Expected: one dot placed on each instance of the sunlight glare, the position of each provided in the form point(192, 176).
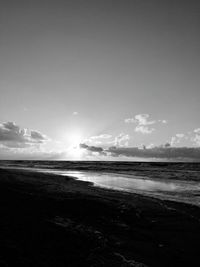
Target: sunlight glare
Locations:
point(74, 140)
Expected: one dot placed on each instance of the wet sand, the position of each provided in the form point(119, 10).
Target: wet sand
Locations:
point(51, 220)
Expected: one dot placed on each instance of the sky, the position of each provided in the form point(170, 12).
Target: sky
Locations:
point(102, 73)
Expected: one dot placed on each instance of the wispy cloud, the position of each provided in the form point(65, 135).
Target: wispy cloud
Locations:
point(98, 139)
point(175, 140)
point(130, 120)
point(144, 129)
point(101, 136)
point(162, 121)
point(197, 131)
point(143, 123)
point(108, 139)
point(121, 140)
point(196, 138)
point(192, 138)
point(143, 119)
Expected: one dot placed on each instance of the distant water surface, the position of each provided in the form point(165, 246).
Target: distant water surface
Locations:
point(121, 179)
point(182, 191)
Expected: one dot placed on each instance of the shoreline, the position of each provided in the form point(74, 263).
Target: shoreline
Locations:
point(92, 226)
point(168, 196)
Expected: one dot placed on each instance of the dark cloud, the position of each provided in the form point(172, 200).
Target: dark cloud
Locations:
point(35, 135)
point(11, 135)
point(161, 152)
point(91, 148)
point(157, 152)
point(83, 146)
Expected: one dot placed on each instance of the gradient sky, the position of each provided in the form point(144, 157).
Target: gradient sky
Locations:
point(82, 68)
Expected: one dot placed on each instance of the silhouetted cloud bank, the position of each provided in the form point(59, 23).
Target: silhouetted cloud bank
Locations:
point(162, 152)
point(92, 148)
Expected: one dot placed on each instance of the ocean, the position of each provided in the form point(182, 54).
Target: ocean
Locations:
point(165, 180)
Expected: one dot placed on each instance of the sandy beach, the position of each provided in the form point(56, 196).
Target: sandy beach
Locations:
point(50, 220)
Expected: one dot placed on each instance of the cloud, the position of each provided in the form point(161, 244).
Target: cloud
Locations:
point(102, 136)
point(169, 151)
point(142, 119)
point(158, 152)
point(75, 113)
point(35, 135)
point(91, 148)
point(162, 121)
point(164, 152)
point(177, 139)
point(197, 131)
point(149, 146)
point(11, 135)
point(143, 123)
point(180, 135)
point(130, 120)
point(191, 138)
point(196, 138)
point(144, 129)
point(98, 139)
point(106, 140)
point(121, 140)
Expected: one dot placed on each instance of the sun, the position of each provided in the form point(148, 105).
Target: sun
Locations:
point(74, 139)
point(74, 151)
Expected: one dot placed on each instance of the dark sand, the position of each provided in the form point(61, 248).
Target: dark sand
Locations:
point(49, 220)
